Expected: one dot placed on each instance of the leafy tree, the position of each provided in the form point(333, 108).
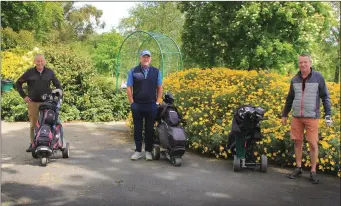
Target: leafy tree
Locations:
point(11, 39)
point(161, 17)
point(8, 38)
point(336, 37)
point(252, 35)
point(104, 49)
point(51, 22)
point(38, 17)
point(101, 49)
point(81, 22)
point(326, 54)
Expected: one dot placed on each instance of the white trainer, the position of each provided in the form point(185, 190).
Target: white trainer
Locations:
point(136, 156)
point(149, 156)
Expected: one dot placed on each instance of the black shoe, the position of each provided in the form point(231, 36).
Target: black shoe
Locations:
point(296, 173)
point(29, 149)
point(313, 178)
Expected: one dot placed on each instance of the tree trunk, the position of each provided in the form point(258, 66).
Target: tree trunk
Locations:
point(337, 74)
point(337, 70)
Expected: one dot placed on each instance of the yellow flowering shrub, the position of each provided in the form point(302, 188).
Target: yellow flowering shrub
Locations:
point(207, 99)
point(14, 64)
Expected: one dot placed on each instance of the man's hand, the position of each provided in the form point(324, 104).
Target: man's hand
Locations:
point(130, 95)
point(284, 120)
point(329, 121)
point(27, 99)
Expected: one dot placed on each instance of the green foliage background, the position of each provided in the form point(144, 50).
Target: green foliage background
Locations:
point(259, 36)
point(87, 95)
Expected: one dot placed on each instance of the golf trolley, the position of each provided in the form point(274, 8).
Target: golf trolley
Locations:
point(244, 136)
point(48, 131)
point(170, 140)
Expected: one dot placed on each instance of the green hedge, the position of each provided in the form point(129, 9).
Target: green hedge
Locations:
point(87, 96)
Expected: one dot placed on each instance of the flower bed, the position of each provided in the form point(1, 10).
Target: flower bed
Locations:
point(207, 99)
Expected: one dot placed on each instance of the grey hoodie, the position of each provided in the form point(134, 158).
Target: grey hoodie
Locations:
point(306, 103)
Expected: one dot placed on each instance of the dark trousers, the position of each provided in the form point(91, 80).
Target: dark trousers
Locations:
point(146, 112)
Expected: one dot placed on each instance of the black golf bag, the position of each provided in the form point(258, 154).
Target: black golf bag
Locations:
point(245, 124)
point(170, 134)
point(245, 133)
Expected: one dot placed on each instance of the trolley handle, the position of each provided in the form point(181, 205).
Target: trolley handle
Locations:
point(264, 118)
point(260, 118)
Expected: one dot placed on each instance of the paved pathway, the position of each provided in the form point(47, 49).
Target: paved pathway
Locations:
point(100, 172)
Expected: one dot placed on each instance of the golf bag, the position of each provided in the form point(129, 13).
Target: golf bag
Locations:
point(48, 130)
point(170, 132)
point(245, 123)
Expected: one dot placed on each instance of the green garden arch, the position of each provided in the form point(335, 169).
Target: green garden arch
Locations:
point(166, 54)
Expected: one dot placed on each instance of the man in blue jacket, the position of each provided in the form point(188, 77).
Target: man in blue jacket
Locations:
point(307, 87)
point(144, 90)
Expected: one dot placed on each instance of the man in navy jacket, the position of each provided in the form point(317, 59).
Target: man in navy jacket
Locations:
point(144, 90)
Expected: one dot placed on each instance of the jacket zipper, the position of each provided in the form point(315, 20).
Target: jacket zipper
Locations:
point(302, 106)
point(302, 99)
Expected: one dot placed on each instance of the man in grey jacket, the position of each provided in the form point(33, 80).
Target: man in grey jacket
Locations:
point(307, 87)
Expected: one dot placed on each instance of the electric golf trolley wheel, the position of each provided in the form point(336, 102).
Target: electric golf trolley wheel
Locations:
point(34, 155)
point(156, 152)
point(177, 161)
point(236, 163)
point(263, 163)
point(66, 151)
point(43, 161)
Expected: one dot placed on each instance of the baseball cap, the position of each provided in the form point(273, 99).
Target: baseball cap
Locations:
point(145, 52)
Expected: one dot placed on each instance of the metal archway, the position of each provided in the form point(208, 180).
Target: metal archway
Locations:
point(166, 54)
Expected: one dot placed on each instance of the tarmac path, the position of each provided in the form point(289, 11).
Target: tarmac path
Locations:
point(100, 172)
